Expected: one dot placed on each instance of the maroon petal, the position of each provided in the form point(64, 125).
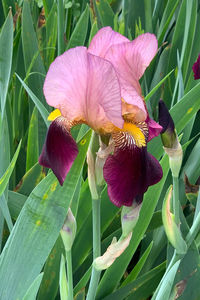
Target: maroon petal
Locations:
point(59, 150)
point(154, 128)
point(129, 173)
point(196, 68)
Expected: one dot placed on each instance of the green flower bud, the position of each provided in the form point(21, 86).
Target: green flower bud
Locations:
point(129, 217)
point(172, 230)
point(68, 231)
point(170, 139)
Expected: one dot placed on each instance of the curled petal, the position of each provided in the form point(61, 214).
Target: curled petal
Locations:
point(130, 60)
point(129, 173)
point(154, 128)
point(84, 87)
point(104, 39)
point(59, 150)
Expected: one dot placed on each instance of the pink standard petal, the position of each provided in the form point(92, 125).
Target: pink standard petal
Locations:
point(129, 174)
point(130, 60)
point(105, 38)
point(84, 87)
point(154, 128)
point(59, 150)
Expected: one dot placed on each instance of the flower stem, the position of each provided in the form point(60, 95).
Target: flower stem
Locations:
point(69, 274)
point(96, 203)
point(176, 199)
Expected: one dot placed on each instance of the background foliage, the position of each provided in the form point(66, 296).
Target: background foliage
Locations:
point(33, 206)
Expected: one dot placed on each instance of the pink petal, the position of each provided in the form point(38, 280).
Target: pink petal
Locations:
point(130, 60)
point(84, 87)
point(59, 150)
point(129, 174)
point(154, 128)
point(105, 38)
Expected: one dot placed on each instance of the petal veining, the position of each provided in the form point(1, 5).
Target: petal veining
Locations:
point(129, 174)
point(130, 60)
point(85, 87)
point(59, 150)
point(104, 39)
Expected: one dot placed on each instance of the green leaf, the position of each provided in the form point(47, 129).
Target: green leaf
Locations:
point(150, 94)
point(43, 111)
point(63, 280)
point(37, 228)
point(6, 43)
point(5, 211)
point(51, 35)
point(15, 203)
point(140, 288)
point(31, 50)
point(133, 11)
point(50, 281)
point(106, 13)
point(136, 270)
point(167, 284)
point(166, 18)
point(60, 13)
point(6, 176)
point(30, 180)
point(83, 281)
point(32, 147)
point(33, 289)
point(80, 31)
point(192, 165)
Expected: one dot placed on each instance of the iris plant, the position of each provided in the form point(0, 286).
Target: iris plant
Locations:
point(99, 86)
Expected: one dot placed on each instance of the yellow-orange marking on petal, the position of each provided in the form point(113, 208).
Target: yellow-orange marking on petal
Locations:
point(54, 115)
point(136, 133)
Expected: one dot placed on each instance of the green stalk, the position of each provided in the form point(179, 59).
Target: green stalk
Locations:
point(176, 200)
point(69, 274)
point(193, 231)
point(96, 203)
point(60, 27)
point(174, 259)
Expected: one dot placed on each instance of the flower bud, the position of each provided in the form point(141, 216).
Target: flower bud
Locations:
point(129, 217)
point(114, 250)
point(170, 139)
point(68, 231)
point(172, 230)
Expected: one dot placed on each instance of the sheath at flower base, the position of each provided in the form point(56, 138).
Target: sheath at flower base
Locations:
point(99, 86)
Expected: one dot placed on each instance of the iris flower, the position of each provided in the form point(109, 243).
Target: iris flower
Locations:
point(99, 86)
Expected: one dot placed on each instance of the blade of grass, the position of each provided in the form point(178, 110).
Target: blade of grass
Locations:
point(6, 42)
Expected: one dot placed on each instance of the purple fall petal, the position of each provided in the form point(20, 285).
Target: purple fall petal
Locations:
point(59, 150)
point(129, 174)
point(196, 68)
